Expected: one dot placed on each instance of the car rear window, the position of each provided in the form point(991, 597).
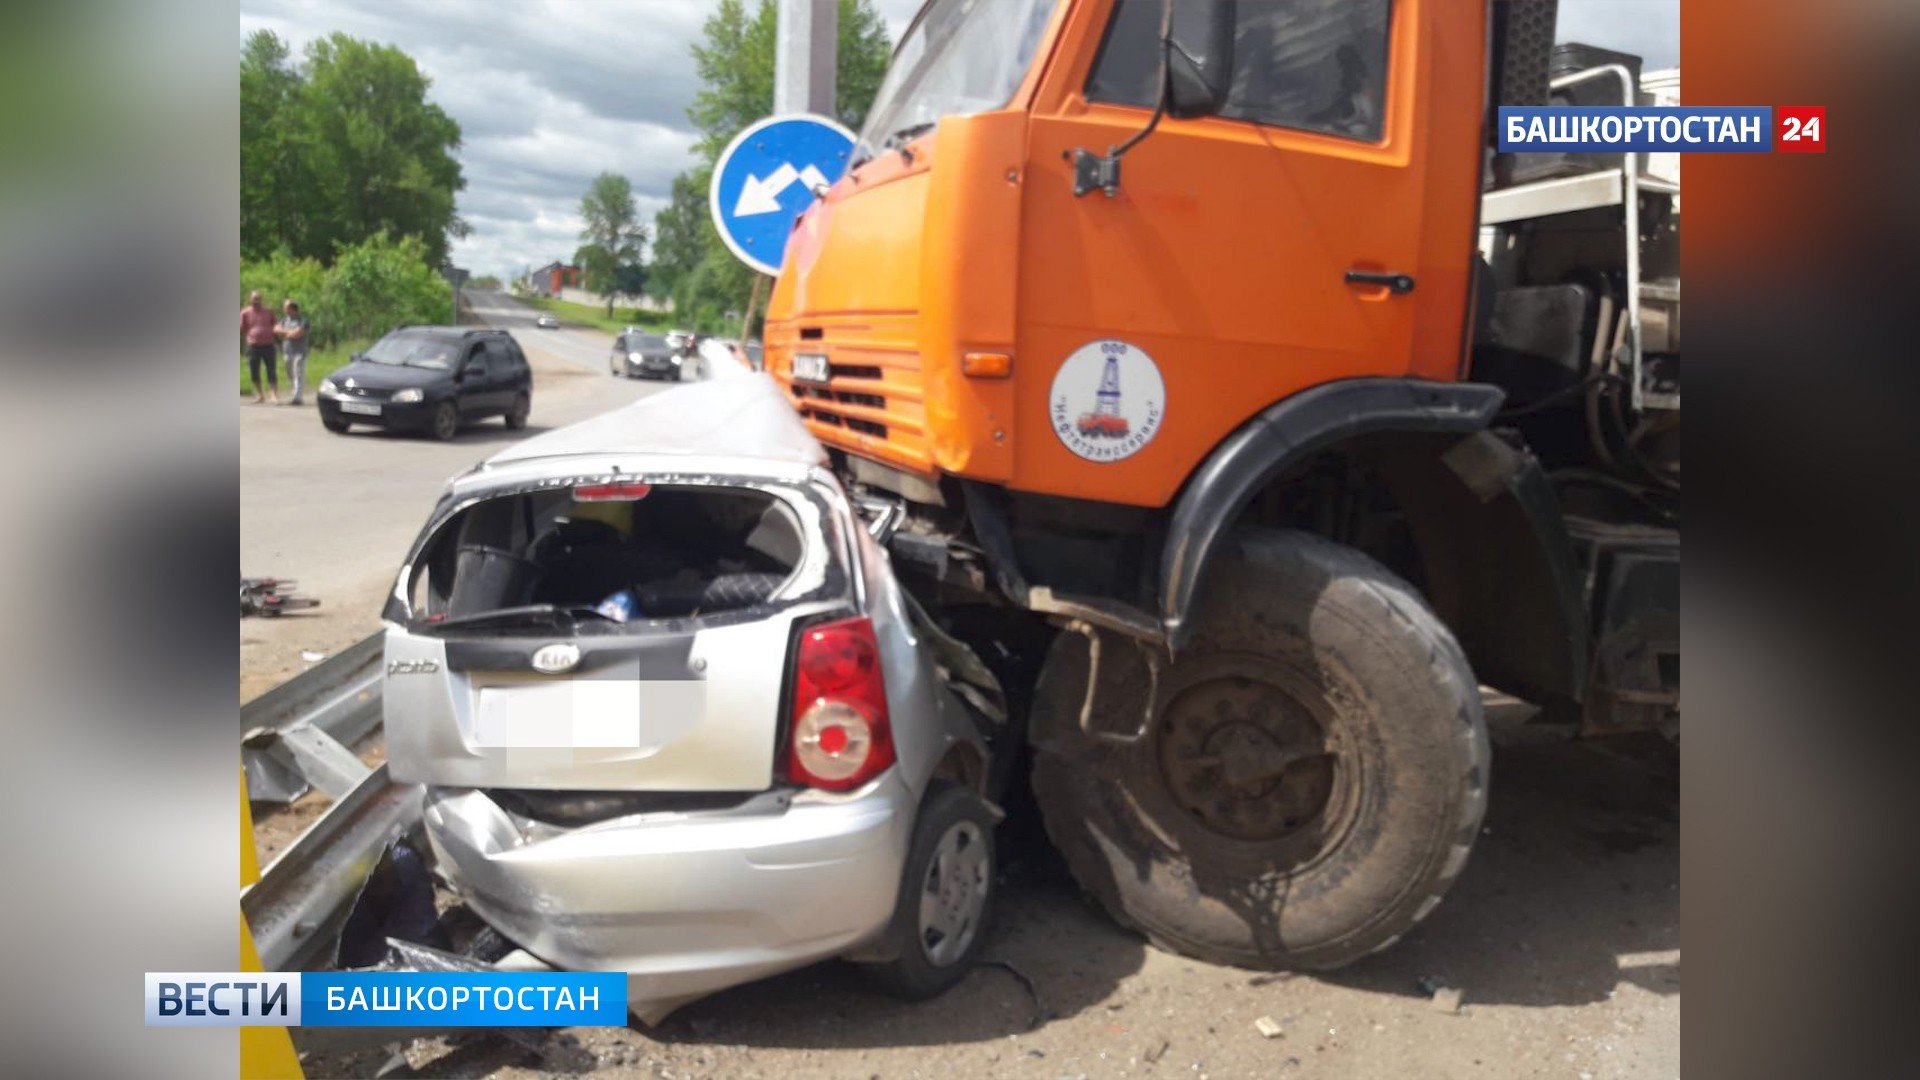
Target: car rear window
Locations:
point(676, 551)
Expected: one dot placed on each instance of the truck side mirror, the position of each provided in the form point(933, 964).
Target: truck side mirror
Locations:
point(1200, 58)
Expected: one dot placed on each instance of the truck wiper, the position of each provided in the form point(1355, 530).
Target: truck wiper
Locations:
point(559, 614)
point(905, 135)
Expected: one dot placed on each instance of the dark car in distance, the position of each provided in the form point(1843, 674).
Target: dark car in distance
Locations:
point(650, 356)
point(430, 379)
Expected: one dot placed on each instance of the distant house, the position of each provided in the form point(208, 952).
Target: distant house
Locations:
point(553, 277)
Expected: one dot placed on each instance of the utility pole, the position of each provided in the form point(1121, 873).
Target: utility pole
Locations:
point(805, 57)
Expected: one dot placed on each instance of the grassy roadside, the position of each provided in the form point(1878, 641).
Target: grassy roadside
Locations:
point(596, 317)
point(320, 364)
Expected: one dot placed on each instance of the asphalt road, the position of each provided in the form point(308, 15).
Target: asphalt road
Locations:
point(582, 347)
point(336, 512)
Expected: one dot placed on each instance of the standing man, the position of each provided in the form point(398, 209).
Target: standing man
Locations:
point(257, 334)
point(293, 331)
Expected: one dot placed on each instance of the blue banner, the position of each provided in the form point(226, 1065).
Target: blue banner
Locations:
point(386, 999)
point(1599, 129)
point(463, 999)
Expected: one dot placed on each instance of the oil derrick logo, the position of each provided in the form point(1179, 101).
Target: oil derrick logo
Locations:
point(1105, 421)
point(1119, 424)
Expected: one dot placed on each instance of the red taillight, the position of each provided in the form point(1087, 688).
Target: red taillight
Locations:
point(614, 492)
point(840, 735)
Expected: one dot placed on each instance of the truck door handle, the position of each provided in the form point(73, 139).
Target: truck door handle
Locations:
point(1399, 284)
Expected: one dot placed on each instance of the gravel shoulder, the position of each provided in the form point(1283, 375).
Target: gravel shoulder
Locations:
point(1562, 937)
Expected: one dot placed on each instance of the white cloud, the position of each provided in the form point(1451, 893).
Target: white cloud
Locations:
point(547, 95)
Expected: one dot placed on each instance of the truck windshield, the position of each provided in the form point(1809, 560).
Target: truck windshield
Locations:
point(961, 56)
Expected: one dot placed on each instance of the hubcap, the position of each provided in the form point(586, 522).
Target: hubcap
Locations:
point(954, 893)
point(1247, 759)
point(444, 422)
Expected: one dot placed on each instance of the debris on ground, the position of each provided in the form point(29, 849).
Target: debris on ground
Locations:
point(1268, 1027)
point(1154, 1053)
point(263, 596)
point(1447, 999)
point(1040, 1013)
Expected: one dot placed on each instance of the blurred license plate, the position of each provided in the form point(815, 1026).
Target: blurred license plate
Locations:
point(811, 367)
point(359, 409)
point(575, 713)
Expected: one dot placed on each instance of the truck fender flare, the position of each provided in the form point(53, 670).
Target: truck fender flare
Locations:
point(1284, 435)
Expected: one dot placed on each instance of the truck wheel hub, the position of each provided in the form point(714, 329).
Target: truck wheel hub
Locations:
point(1244, 758)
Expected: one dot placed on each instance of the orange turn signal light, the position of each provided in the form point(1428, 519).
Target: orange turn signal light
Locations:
point(987, 365)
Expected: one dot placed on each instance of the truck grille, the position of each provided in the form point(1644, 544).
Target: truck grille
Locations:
point(872, 402)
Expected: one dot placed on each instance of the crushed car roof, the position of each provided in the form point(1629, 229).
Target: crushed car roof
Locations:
point(748, 417)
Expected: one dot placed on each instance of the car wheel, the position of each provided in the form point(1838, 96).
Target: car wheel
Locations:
point(946, 895)
point(338, 427)
point(446, 421)
point(517, 416)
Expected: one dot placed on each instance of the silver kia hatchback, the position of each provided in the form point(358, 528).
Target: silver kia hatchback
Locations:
point(677, 719)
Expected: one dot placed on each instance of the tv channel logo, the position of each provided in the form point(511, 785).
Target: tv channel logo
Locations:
point(222, 999)
point(387, 999)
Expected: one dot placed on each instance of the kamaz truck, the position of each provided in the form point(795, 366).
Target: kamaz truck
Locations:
point(1242, 416)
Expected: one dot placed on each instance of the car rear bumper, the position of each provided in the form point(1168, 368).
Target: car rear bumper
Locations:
point(685, 903)
point(415, 416)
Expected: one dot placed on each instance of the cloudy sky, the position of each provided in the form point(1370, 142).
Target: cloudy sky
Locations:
point(549, 93)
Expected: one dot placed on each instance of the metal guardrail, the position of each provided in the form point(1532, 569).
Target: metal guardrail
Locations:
point(298, 734)
point(296, 907)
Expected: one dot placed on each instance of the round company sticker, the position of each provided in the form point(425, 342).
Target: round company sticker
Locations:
point(1107, 400)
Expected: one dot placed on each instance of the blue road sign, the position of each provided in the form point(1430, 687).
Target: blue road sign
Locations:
point(767, 176)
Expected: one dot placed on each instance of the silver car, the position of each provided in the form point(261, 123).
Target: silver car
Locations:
point(676, 717)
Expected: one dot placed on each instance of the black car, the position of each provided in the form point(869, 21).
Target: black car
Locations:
point(650, 356)
point(431, 379)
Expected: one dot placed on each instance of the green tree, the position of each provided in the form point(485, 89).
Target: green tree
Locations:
point(270, 147)
point(381, 153)
point(735, 60)
point(372, 287)
point(341, 149)
point(380, 283)
point(681, 233)
point(610, 244)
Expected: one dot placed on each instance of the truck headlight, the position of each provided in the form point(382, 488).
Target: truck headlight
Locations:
point(408, 396)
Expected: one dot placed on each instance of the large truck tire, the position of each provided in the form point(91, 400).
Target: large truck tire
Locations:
point(1311, 769)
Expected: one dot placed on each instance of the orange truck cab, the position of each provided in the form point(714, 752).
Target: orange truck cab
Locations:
point(1160, 327)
